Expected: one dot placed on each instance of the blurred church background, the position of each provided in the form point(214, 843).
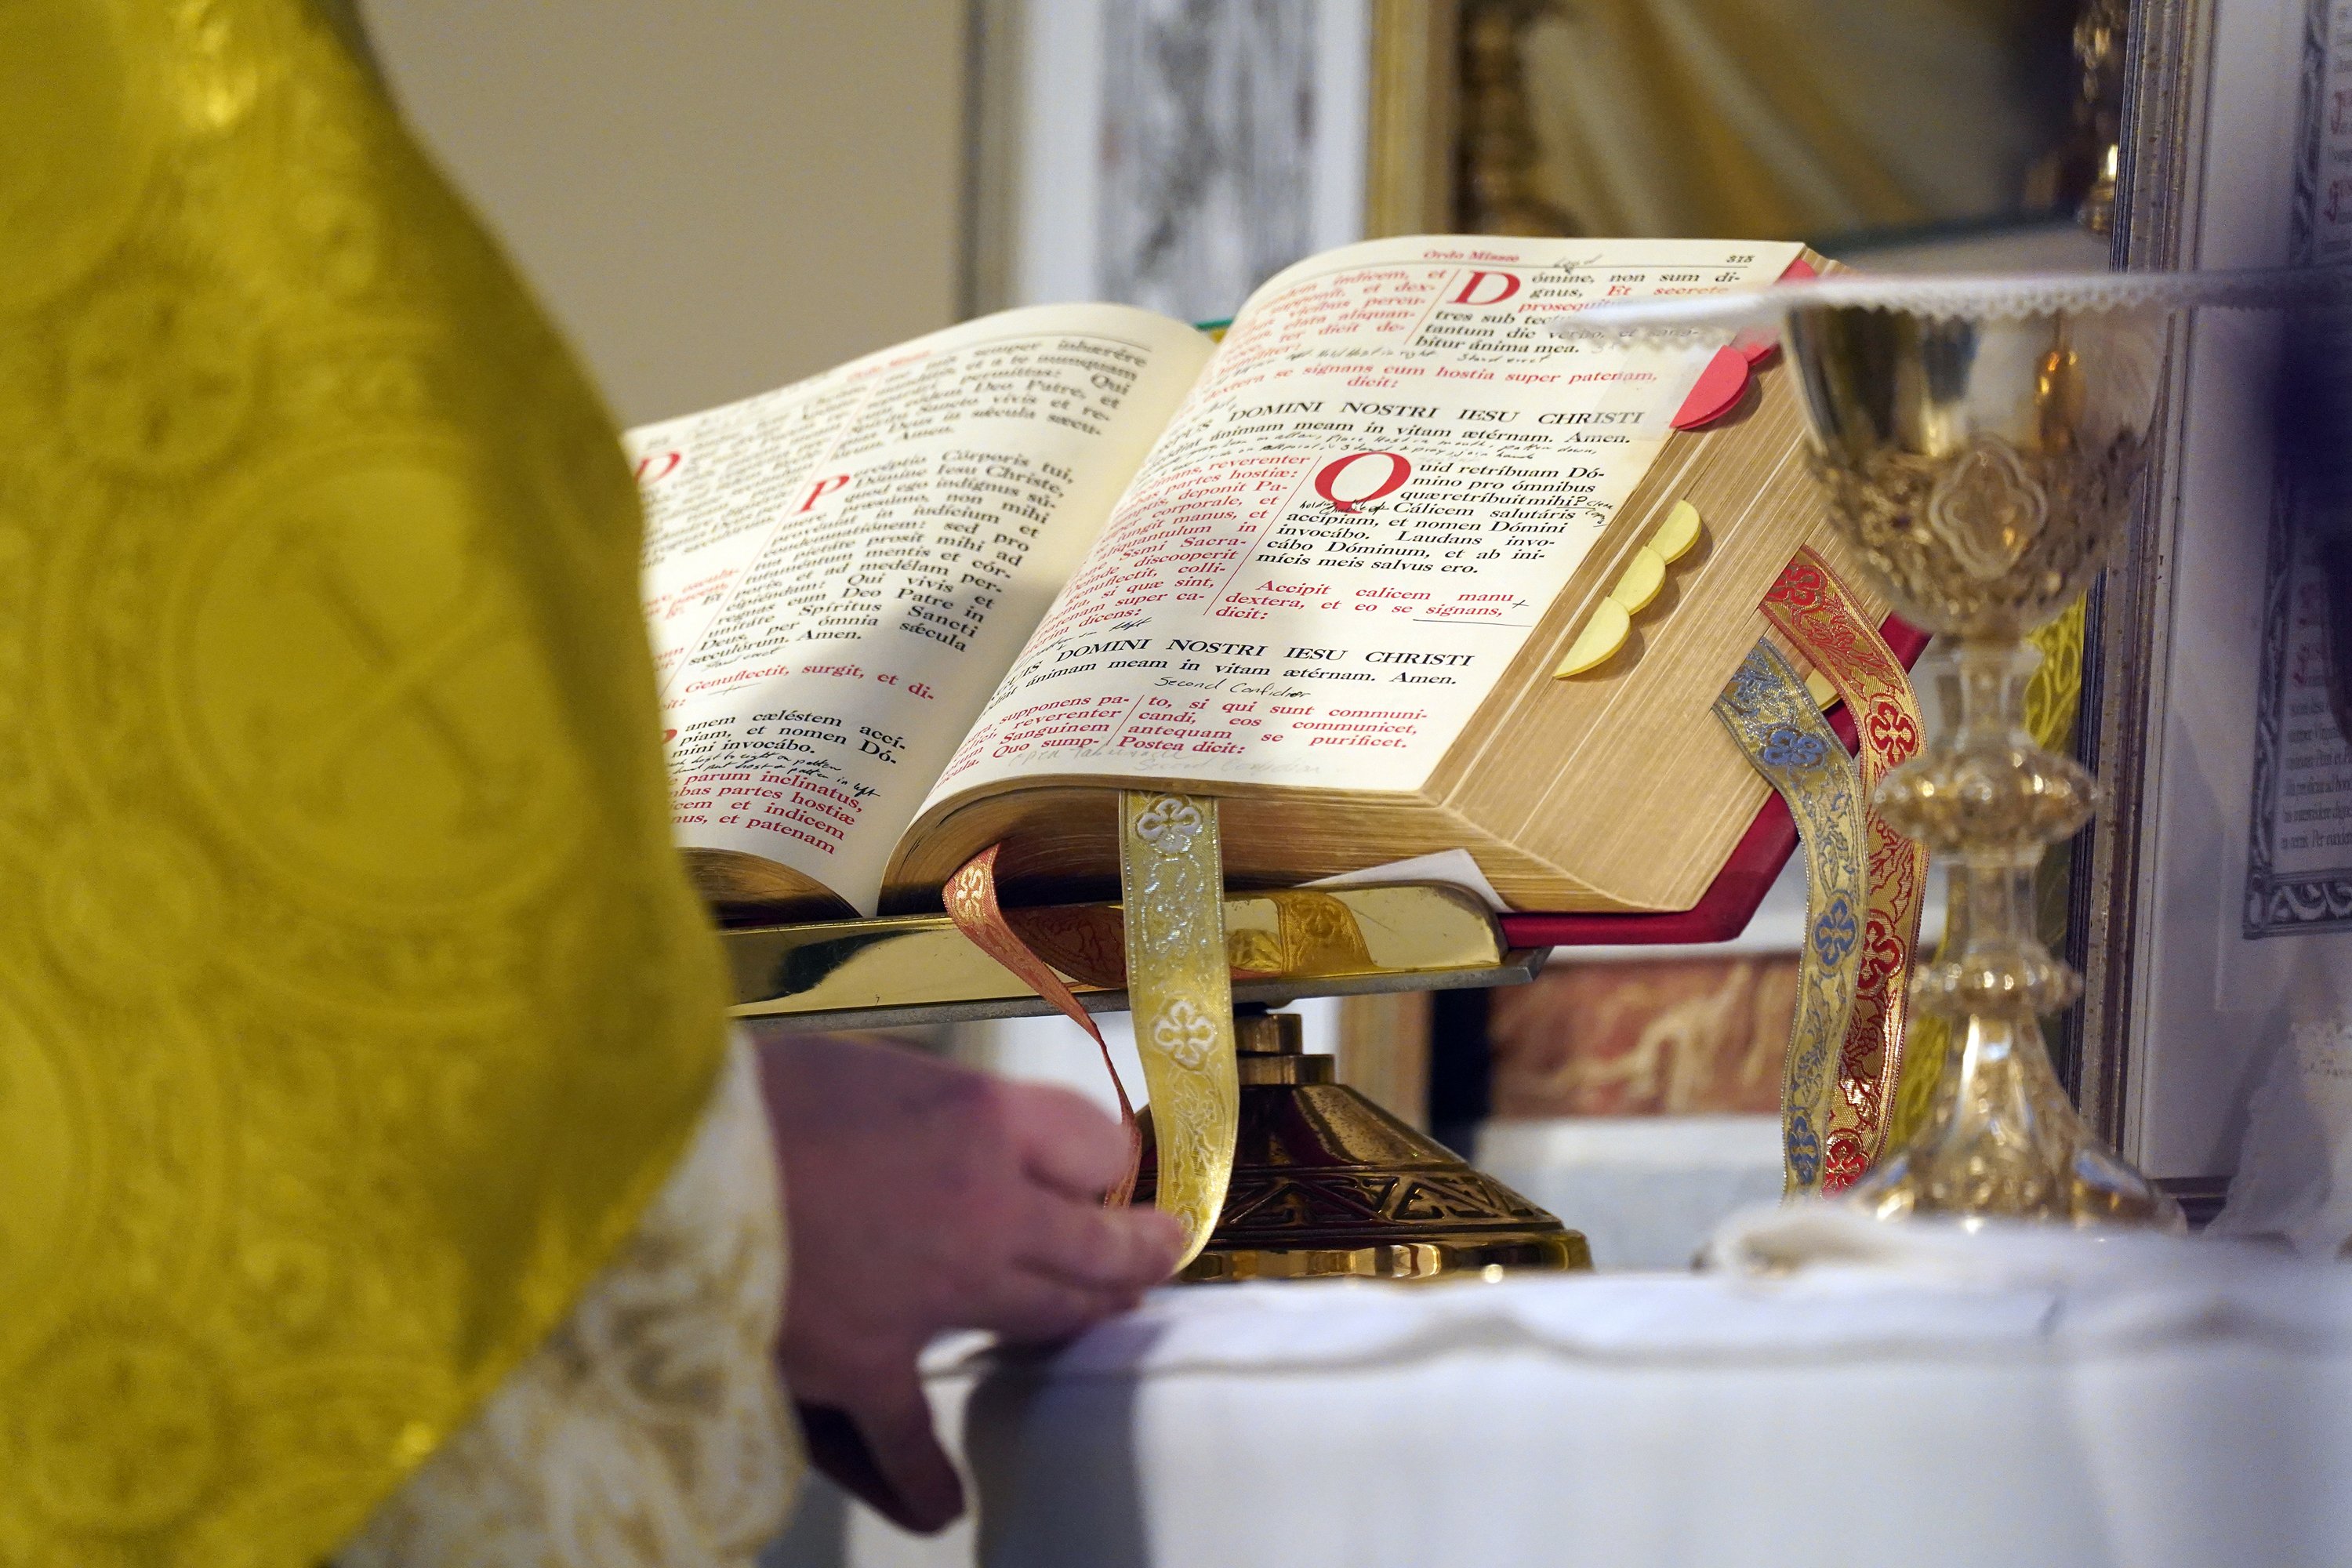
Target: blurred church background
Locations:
point(717, 198)
point(714, 196)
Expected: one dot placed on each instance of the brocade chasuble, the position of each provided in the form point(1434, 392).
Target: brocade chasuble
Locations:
point(353, 1005)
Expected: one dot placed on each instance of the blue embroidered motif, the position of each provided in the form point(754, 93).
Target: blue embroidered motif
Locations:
point(1835, 933)
point(1802, 1149)
point(1753, 686)
point(1812, 1059)
point(1791, 748)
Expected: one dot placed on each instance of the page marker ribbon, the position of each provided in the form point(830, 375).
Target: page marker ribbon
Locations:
point(1171, 885)
point(971, 896)
point(1815, 610)
point(1783, 735)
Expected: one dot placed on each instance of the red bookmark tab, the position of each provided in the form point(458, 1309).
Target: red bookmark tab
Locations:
point(971, 904)
point(1719, 388)
point(1726, 379)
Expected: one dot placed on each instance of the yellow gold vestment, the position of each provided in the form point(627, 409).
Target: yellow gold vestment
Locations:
point(351, 1002)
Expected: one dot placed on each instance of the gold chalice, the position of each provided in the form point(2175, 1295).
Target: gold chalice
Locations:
point(1979, 440)
point(1982, 461)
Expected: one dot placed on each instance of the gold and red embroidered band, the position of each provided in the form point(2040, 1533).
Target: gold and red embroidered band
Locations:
point(1815, 610)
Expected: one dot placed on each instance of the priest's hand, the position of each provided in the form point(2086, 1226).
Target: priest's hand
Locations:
point(921, 1196)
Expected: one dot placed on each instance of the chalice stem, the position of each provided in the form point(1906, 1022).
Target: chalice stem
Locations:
point(2002, 1138)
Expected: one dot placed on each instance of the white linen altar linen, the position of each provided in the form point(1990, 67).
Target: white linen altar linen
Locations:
point(2143, 1402)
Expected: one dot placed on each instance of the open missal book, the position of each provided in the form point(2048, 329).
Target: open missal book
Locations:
point(964, 590)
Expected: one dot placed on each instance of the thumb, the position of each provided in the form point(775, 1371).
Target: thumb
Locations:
point(883, 1452)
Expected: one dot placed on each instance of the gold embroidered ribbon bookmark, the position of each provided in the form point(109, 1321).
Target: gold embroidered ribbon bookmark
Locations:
point(1782, 733)
point(971, 904)
point(1816, 611)
point(1172, 893)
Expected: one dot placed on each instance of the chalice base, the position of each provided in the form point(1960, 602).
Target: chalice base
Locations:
point(1326, 1185)
point(2004, 1140)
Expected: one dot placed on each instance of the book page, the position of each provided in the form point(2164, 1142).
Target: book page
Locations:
point(1388, 472)
point(837, 573)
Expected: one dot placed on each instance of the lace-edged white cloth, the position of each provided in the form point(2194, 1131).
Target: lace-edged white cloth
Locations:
point(649, 1431)
point(1983, 297)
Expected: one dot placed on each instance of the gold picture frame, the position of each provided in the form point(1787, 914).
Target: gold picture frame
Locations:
point(1408, 164)
point(2165, 51)
point(2236, 138)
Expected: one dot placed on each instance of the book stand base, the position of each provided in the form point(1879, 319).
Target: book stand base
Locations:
point(1326, 1185)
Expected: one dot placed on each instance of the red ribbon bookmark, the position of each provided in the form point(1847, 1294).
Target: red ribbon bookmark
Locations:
point(971, 904)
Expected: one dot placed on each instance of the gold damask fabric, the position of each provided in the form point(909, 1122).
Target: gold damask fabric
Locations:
point(353, 1005)
point(649, 1432)
point(1790, 118)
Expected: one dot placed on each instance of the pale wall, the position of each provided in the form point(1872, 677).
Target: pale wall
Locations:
point(715, 196)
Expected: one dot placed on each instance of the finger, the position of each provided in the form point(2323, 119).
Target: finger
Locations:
point(1104, 1249)
point(924, 1493)
point(1063, 1141)
point(1027, 1308)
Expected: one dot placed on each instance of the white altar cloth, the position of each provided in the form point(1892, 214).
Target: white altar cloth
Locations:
point(2138, 1402)
point(1646, 1191)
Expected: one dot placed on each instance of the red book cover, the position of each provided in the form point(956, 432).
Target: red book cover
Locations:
point(1730, 900)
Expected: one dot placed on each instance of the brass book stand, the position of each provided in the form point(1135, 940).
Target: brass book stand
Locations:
point(1325, 1183)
